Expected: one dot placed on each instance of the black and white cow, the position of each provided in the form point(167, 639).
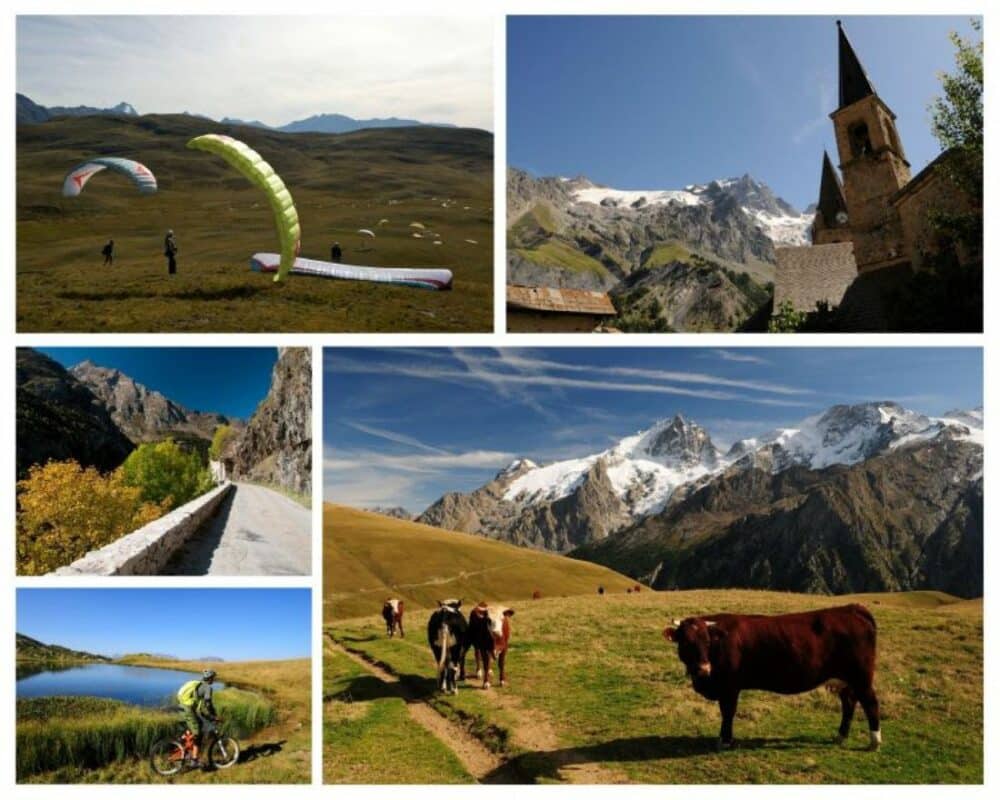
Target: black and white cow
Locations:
point(447, 633)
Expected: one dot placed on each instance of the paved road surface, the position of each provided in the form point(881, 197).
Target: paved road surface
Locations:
point(256, 531)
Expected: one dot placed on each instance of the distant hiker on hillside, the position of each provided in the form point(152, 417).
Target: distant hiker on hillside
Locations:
point(170, 251)
point(109, 252)
point(335, 253)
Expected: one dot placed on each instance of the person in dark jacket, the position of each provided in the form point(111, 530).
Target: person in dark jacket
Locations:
point(170, 251)
point(109, 252)
point(335, 253)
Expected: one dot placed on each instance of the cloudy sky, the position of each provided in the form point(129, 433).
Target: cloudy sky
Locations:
point(403, 426)
point(272, 69)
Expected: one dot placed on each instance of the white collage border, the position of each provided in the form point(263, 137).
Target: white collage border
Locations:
point(492, 12)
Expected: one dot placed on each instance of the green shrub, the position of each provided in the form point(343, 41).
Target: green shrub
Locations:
point(167, 474)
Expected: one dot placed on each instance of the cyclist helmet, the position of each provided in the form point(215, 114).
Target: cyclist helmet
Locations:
point(208, 675)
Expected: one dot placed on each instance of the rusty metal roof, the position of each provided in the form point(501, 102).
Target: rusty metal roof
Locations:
point(566, 301)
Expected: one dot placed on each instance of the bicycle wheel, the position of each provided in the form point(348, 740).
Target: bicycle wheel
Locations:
point(166, 757)
point(225, 752)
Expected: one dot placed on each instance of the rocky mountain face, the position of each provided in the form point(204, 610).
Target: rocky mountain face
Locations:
point(144, 414)
point(670, 487)
point(276, 445)
point(910, 517)
point(396, 512)
point(59, 417)
point(694, 241)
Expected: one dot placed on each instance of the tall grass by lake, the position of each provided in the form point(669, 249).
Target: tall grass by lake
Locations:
point(89, 732)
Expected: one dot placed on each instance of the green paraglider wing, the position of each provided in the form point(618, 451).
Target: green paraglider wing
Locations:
point(249, 162)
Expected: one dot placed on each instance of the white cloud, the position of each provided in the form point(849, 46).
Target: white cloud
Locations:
point(273, 68)
point(392, 436)
point(491, 374)
point(739, 357)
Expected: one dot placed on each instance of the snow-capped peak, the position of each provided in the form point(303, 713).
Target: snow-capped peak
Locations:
point(645, 469)
point(777, 219)
point(517, 465)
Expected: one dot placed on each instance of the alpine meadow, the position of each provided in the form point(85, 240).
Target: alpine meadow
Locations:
point(518, 567)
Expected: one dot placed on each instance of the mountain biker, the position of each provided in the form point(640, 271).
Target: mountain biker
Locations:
point(195, 697)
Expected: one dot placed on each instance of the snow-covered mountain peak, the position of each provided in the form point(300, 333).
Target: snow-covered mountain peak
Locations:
point(779, 220)
point(645, 469)
point(516, 466)
point(673, 441)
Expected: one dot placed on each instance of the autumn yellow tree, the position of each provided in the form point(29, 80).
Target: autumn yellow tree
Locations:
point(66, 510)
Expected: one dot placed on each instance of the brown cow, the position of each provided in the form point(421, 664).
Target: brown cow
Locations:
point(787, 653)
point(392, 613)
point(489, 637)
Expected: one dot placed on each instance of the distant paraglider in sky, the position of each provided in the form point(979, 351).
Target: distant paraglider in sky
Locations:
point(249, 162)
point(139, 174)
point(366, 232)
point(402, 276)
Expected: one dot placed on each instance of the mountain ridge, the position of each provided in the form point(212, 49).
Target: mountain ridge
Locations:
point(696, 258)
point(30, 112)
point(573, 502)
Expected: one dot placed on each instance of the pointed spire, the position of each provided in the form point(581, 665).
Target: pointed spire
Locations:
point(854, 81)
point(831, 194)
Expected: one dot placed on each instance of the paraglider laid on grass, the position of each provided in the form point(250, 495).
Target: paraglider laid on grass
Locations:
point(139, 174)
point(252, 166)
point(249, 162)
point(417, 278)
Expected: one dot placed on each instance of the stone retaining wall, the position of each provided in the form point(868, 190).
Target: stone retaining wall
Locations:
point(147, 550)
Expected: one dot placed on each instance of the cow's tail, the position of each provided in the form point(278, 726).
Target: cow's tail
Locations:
point(443, 636)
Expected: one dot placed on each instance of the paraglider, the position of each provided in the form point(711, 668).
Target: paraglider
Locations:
point(366, 232)
point(417, 278)
point(417, 225)
point(139, 174)
point(249, 162)
point(383, 221)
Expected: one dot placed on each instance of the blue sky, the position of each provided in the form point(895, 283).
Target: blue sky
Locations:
point(662, 102)
point(403, 426)
point(227, 380)
point(275, 69)
point(234, 624)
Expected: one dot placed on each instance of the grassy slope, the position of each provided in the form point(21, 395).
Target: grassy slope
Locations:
point(557, 253)
point(367, 557)
point(279, 753)
point(367, 732)
point(340, 183)
point(31, 650)
point(667, 253)
point(598, 670)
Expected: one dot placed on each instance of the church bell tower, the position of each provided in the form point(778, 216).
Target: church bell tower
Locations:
point(872, 162)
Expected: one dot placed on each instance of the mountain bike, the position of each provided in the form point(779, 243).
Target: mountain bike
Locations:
point(173, 755)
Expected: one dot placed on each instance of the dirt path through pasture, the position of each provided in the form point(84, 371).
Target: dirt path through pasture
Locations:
point(534, 734)
point(475, 757)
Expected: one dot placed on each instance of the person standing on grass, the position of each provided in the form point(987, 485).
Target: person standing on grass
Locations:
point(109, 253)
point(170, 251)
point(335, 253)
